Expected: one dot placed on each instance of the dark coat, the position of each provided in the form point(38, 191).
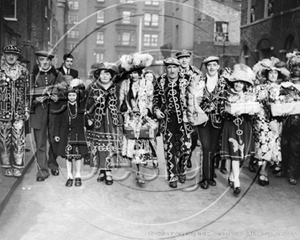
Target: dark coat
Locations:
point(70, 130)
point(40, 111)
point(73, 72)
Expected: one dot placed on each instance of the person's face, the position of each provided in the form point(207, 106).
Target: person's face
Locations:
point(68, 62)
point(149, 77)
point(172, 71)
point(105, 77)
point(273, 75)
point(295, 71)
point(135, 76)
point(239, 86)
point(44, 62)
point(212, 68)
point(11, 58)
point(184, 61)
point(72, 96)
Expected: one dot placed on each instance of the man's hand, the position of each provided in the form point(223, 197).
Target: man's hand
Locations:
point(54, 97)
point(90, 122)
point(27, 115)
point(41, 99)
point(159, 114)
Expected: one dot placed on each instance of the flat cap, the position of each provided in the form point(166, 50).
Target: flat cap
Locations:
point(171, 61)
point(12, 49)
point(43, 53)
point(210, 59)
point(183, 53)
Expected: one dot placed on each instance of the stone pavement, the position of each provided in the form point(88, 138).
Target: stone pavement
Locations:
point(125, 210)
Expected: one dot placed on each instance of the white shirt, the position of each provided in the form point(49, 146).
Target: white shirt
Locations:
point(66, 70)
point(211, 82)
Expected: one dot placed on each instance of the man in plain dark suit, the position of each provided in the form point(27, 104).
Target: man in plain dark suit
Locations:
point(66, 69)
point(44, 75)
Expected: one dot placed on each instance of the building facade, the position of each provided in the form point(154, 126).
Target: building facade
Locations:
point(205, 27)
point(103, 30)
point(32, 25)
point(269, 28)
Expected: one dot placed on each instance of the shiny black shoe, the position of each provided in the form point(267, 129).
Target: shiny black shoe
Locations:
point(101, 177)
point(109, 180)
point(212, 182)
point(182, 178)
point(204, 184)
point(55, 172)
point(189, 163)
point(78, 182)
point(292, 181)
point(40, 179)
point(69, 182)
point(173, 184)
point(237, 191)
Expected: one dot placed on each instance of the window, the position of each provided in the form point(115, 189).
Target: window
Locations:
point(154, 40)
point(151, 40)
point(126, 17)
point(146, 39)
point(100, 16)
point(10, 9)
point(100, 38)
point(221, 31)
point(99, 57)
point(151, 19)
point(126, 1)
point(152, 2)
point(126, 38)
point(73, 19)
point(74, 33)
point(73, 5)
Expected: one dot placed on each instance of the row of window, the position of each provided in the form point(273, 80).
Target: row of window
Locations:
point(124, 38)
point(74, 5)
point(149, 19)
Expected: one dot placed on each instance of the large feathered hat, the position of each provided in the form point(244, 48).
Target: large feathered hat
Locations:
point(293, 59)
point(269, 64)
point(110, 67)
point(242, 72)
point(135, 62)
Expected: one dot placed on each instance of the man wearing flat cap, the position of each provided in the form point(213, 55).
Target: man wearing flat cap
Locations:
point(14, 84)
point(170, 107)
point(184, 57)
point(212, 103)
point(45, 76)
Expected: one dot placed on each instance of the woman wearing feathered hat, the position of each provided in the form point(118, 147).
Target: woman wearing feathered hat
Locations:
point(237, 143)
point(268, 128)
point(69, 131)
point(103, 121)
point(136, 97)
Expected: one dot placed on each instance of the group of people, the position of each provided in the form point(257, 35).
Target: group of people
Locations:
point(120, 114)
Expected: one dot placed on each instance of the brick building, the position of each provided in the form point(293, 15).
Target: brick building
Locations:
point(269, 28)
point(32, 25)
point(103, 30)
point(209, 27)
